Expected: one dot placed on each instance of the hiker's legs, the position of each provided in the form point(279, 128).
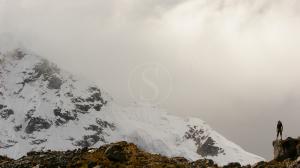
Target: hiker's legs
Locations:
point(281, 134)
point(277, 134)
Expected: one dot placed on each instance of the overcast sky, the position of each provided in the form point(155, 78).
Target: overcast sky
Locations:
point(233, 63)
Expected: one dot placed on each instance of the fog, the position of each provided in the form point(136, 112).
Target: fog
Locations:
point(233, 63)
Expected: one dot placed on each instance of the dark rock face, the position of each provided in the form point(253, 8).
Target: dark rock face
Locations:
point(17, 128)
point(38, 141)
point(82, 105)
point(37, 124)
point(2, 106)
point(233, 165)
point(205, 147)
point(64, 116)
point(208, 148)
point(203, 163)
point(45, 69)
point(99, 132)
point(196, 134)
point(6, 113)
point(286, 149)
point(116, 153)
point(54, 83)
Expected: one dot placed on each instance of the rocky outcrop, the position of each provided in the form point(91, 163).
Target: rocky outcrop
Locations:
point(37, 124)
point(206, 145)
point(286, 149)
point(209, 148)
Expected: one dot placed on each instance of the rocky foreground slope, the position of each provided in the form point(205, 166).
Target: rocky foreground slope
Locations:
point(124, 154)
point(121, 154)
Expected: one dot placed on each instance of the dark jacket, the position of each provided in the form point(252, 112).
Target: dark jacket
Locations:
point(279, 126)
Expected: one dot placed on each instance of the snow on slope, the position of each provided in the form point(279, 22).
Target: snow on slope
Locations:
point(43, 107)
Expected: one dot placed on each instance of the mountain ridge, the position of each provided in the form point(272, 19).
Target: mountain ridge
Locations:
point(43, 107)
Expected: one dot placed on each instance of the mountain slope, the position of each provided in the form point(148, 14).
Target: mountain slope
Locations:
point(43, 107)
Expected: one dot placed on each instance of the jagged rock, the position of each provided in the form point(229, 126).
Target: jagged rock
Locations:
point(38, 141)
point(6, 113)
point(286, 149)
point(92, 164)
point(2, 106)
point(90, 140)
point(45, 69)
point(208, 148)
point(260, 164)
point(206, 145)
point(116, 153)
point(36, 124)
point(54, 83)
point(180, 159)
point(203, 163)
point(83, 108)
point(64, 116)
point(97, 107)
point(233, 165)
point(18, 127)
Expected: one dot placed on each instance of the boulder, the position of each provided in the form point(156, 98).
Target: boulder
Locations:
point(116, 153)
point(233, 165)
point(286, 149)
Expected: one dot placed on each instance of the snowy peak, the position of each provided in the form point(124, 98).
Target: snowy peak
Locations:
point(36, 96)
point(43, 107)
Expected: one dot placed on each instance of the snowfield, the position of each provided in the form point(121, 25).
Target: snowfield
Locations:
point(43, 107)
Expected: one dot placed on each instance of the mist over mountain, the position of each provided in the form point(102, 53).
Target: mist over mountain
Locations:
point(232, 63)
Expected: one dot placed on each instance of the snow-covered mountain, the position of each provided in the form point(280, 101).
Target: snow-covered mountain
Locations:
point(43, 107)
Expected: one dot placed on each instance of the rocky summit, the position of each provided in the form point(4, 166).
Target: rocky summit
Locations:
point(286, 154)
point(286, 149)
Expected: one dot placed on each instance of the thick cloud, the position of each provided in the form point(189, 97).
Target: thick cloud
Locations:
point(233, 63)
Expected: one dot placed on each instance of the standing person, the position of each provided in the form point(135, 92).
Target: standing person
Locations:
point(279, 129)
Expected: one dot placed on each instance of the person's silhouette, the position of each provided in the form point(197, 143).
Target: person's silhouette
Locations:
point(279, 129)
